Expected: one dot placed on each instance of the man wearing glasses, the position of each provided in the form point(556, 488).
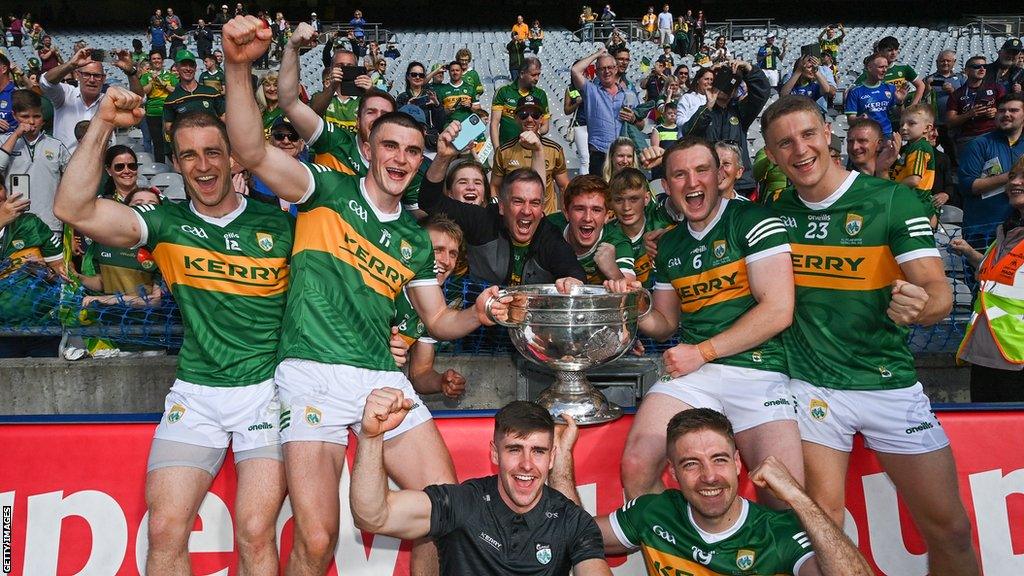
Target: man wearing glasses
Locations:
point(608, 101)
point(72, 104)
point(971, 109)
point(519, 153)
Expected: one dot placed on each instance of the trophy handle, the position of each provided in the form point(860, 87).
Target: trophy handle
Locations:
point(646, 294)
point(490, 315)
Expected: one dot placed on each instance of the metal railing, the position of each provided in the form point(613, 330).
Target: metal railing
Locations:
point(991, 25)
point(601, 30)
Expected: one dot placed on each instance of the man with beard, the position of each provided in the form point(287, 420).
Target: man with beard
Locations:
point(508, 242)
point(355, 251)
point(226, 261)
point(1005, 70)
point(985, 165)
point(847, 355)
point(705, 527)
point(535, 529)
point(724, 284)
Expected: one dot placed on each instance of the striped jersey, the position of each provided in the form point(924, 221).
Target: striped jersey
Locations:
point(229, 277)
point(762, 541)
point(26, 238)
point(611, 234)
point(708, 272)
point(847, 252)
point(350, 264)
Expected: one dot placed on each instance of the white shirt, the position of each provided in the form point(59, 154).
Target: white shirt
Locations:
point(68, 109)
point(665, 21)
point(688, 105)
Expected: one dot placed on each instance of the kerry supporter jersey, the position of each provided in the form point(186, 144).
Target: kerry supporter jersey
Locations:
point(229, 277)
point(611, 234)
point(708, 271)
point(655, 218)
point(847, 251)
point(349, 266)
point(762, 541)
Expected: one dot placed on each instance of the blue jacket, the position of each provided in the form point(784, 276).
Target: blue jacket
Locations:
point(994, 209)
point(6, 113)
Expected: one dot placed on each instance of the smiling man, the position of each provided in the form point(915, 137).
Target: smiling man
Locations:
point(724, 285)
point(705, 527)
point(226, 261)
point(510, 523)
point(519, 153)
point(355, 251)
point(866, 267)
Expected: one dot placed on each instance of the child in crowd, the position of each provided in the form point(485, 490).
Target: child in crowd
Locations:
point(915, 167)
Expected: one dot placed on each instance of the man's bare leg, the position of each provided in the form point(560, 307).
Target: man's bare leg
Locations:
point(780, 438)
point(643, 459)
point(173, 496)
point(313, 470)
point(258, 499)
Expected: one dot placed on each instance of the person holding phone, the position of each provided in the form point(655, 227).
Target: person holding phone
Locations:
point(808, 79)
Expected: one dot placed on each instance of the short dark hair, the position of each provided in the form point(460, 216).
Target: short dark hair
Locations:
point(24, 100)
point(586, 184)
point(197, 119)
point(975, 58)
point(115, 151)
point(521, 418)
point(695, 420)
point(156, 51)
point(519, 175)
point(449, 180)
point(374, 93)
point(687, 143)
point(785, 106)
point(869, 123)
point(398, 118)
point(888, 43)
point(1011, 97)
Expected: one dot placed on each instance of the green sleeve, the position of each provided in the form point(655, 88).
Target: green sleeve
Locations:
point(89, 267)
point(624, 257)
point(909, 73)
point(791, 540)
point(330, 139)
point(910, 227)
point(39, 234)
point(628, 521)
point(153, 217)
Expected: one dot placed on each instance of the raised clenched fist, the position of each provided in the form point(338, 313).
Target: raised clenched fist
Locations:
point(245, 39)
point(120, 108)
point(304, 36)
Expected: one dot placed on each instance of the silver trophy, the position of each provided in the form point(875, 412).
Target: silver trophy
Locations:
point(571, 333)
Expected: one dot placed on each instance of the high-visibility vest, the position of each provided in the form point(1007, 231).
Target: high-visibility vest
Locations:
point(1001, 300)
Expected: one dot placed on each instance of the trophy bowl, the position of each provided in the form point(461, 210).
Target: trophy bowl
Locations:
point(570, 333)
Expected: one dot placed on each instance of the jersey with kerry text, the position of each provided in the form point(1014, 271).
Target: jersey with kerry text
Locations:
point(350, 264)
point(708, 272)
point(611, 234)
point(762, 541)
point(229, 276)
point(873, 102)
point(847, 252)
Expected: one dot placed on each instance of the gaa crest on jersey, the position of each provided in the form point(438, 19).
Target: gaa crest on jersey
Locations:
point(543, 553)
point(175, 413)
point(819, 409)
point(719, 248)
point(265, 241)
point(18, 244)
point(313, 416)
point(405, 249)
point(745, 559)
point(854, 224)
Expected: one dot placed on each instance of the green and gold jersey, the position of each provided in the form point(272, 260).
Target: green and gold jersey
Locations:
point(505, 101)
point(897, 75)
point(410, 327)
point(338, 149)
point(917, 158)
point(457, 100)
point(342, 113)
point(519, 253)
point(472, 77)
point(162, 88)
point(610, 234)
point(123, 270)
point(847, 252)
point(229, 276)
point(26, 238)
point(762, 541)
point(643, 264)
point(708, 271)
point(350, 264)
point(213, 79)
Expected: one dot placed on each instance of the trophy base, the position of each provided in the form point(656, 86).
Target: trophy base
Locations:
point(572, 394)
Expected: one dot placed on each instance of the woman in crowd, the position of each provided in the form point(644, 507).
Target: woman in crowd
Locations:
point(283, 136)
point(720, 53)
point(693, 100)
point(536, 38)
point(417, 93)
point(993, 343)
point(467, 182)
point(377, 76)
point(266, 99)
point(621, 154)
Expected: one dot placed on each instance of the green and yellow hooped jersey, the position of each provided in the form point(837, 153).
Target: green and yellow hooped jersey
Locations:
point(847, 252)
point(708, 271)
point(350, 264)
point(229, 277)
point(763, 541)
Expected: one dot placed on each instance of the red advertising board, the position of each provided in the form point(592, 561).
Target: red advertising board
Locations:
point(74, 493)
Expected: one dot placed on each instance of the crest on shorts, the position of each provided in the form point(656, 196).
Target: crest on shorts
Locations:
point(854, 224)
point(405, 249)
point(175, 413)
point(745, 559)
point(885, 373)
point(720, 247)
point(265, 241)
point(543, 553)
point(756, 356)
point(313, 416)
point(819, 409)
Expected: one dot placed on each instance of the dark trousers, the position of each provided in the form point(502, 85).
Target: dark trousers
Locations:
point(156, 134)
point(29, 346)
point(994, 385)
point(597, 162)
point(947, 143)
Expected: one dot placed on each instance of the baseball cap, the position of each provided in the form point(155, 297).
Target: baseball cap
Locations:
point(415, 111)
point(771, 35)
point(1012, 45)
point(282, 121)
point(528, 101)
point(184, 56)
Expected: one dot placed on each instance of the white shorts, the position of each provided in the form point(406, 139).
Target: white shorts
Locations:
point(892, 421)
point(320, 402)
point(213, 417)
point(747, 396)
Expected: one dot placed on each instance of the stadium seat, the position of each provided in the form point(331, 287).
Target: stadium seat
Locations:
point(152, 168)
point(951, 215)
point(164, 180)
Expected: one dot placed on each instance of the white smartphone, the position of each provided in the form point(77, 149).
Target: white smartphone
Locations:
point(472, 128)
point(19, 186)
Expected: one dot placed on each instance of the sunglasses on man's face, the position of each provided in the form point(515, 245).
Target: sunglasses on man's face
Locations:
point(282, 136)
point(120, 166)
point(527, 114)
